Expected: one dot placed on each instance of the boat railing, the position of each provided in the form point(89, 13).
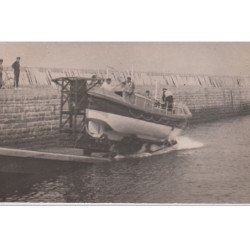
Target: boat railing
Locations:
point(178, 108)
point(154, 105)
point(150, 104)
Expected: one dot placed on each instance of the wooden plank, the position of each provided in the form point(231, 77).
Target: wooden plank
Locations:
point(50, 156)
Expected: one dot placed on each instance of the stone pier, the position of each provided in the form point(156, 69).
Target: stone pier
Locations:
point(29, 116)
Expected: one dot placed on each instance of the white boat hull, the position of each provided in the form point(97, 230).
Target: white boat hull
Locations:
point(116, 127)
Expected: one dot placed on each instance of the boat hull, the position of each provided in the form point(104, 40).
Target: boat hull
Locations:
point(116, 127)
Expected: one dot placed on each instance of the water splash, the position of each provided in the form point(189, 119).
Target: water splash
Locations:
point(184, 142)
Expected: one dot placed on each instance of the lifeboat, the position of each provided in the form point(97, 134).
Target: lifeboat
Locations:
point(124, 122)
point(111, 115)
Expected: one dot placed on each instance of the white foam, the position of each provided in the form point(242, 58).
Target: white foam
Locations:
point(184, 142)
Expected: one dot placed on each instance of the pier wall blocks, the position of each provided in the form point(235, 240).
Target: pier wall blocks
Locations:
point(29, 116)
point(212, 104)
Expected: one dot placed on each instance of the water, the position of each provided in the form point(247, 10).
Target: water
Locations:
point(210, 165)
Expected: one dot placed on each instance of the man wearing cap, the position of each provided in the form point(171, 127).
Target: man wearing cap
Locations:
point(16, 68)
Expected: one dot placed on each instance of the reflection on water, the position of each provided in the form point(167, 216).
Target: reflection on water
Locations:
point(210, 165)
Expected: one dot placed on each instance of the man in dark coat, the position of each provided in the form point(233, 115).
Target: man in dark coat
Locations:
point(16, 68)
point(1, 73)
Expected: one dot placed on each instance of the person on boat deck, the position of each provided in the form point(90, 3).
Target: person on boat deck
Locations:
point(148, 94)
point(167, 99)
point(148, 100)
point(96, 81)
point(129, 89)
point(119, 89)
point(107, 85)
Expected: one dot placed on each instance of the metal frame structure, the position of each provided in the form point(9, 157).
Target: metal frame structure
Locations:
point(74, 101)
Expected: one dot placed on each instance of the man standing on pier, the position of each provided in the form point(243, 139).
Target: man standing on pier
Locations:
point(1, 73)
point(16, 68)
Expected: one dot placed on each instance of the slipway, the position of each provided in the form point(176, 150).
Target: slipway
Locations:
point(30, 154)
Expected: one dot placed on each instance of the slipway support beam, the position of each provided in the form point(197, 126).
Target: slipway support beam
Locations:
point(20, 153)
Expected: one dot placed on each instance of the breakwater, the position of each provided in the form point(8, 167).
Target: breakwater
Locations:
point(29, 116)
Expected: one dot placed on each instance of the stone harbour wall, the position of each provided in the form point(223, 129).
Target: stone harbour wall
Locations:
point(29, 116)
point(214, 104)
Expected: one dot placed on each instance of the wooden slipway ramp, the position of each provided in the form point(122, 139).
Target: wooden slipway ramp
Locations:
point(21, 153)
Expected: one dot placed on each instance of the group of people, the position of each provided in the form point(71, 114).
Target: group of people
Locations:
point(124, 89)
point(16, 69)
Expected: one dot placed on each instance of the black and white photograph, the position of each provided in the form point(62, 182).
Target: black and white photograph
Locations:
point(125, 122)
